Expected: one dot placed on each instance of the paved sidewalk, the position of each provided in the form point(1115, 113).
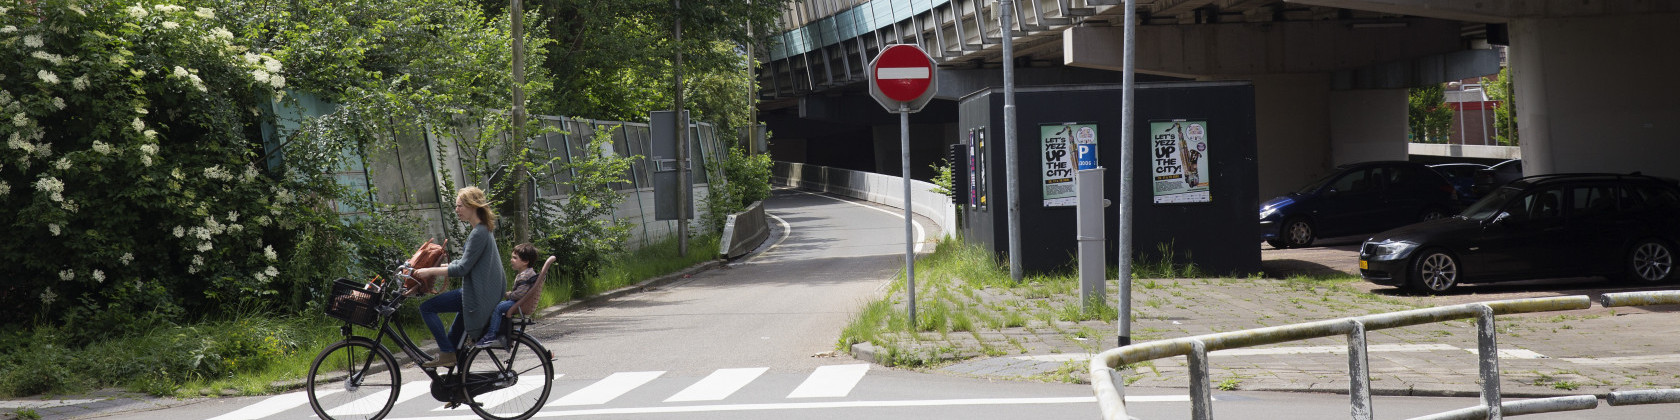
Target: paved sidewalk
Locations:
point(1591, 351)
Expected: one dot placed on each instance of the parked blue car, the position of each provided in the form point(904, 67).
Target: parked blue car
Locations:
point(1357, 199)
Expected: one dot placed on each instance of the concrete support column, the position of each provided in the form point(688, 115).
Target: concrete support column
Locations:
point(1292, 123)
point(1367, 125)
point(1597, 94)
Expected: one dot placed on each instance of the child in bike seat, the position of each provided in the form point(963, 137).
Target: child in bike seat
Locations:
point(524, 255)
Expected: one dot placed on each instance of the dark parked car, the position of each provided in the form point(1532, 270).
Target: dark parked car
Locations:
point(1496, 175)
point(1561, 225)
point(1462, 176)
point(1356, 199)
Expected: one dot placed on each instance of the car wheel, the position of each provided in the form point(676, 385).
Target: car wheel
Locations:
point(1297, 232)
point(1435, 271)
point(1650, 261)
point(1276, 243)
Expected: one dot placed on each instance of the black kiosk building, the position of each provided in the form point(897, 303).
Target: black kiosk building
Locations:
point(1194, 174)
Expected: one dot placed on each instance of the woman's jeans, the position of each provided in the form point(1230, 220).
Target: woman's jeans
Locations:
point(449, 301)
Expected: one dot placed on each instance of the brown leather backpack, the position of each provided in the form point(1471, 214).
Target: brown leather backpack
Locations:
point(427, 256)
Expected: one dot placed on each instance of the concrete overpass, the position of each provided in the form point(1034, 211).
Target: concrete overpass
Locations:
point(1592, 84)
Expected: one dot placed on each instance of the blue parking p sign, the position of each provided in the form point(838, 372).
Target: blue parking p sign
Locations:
point(1085, 137)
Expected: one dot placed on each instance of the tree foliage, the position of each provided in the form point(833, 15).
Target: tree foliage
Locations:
point(1428, 116)
point(1505, 115)
point(132, 168)
point(580, 229)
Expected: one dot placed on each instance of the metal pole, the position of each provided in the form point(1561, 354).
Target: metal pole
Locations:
point(1005, 15)
point(521, 217)
point(1124, 277)
point(1487, 350)
point(681, 122)
point(1481, 108)
point(1359, 371)
point(909, 240)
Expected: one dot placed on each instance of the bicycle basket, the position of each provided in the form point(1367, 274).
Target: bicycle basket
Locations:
point(354, 304)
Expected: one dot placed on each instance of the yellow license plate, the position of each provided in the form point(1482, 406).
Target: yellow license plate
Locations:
point(1363, 265)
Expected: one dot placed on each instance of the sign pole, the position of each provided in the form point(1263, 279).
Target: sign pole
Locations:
point(1010, 160)
point(909, 236)
point(902, 78)
point(1124, 278)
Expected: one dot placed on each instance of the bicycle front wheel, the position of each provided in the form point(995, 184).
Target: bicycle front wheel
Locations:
point(511, 383)
point(353, 379)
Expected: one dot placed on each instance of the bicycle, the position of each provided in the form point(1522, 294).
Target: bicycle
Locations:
point(358, 378)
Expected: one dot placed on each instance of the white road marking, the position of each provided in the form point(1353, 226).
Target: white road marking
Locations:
point(1625, 360)
point(830, 381)
point(526, 384)
point(1514, 354)
point(607, 389)
point(271, 406)
point(815, 405)
point(719, 385)
point(373, 403)
point(921, 237)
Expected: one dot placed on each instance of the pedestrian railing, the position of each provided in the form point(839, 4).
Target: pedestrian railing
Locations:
point(1110, 387)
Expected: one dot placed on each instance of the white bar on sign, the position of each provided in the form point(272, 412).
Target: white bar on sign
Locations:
point(719, 385)
point(887, 73)
point(830, 381)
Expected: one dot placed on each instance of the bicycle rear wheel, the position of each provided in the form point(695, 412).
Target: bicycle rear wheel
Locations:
point(353, 379)
point(511, 383)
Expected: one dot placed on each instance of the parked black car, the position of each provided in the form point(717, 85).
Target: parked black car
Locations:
point(1561, 225)
point(1462, 176)
point(1356, 199)
point(1496, 175)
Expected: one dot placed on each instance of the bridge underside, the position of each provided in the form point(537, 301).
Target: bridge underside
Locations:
point(1329, 75)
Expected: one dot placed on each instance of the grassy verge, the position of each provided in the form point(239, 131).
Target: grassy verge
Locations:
point(967, 306)
point(251, 353)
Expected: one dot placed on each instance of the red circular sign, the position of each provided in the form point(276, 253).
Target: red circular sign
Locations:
point(903, 72)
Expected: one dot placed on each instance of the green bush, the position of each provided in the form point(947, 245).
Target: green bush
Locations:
point(746, 179)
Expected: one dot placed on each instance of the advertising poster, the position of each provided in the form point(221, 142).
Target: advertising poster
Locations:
point(1064, 154)
point(1178, 161)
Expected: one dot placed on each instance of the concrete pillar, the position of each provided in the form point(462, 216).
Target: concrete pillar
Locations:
point(1367, 125)
point(1292, 123)
point(1597, 94)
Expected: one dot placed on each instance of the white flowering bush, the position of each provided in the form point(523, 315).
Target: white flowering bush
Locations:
point(131, 171)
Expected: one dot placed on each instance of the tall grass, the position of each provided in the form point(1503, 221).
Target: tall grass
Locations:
point(251, 352)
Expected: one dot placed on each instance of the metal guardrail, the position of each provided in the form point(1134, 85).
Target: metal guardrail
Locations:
point(1110, 388)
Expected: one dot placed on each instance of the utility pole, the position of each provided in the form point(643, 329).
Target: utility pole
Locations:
point(681, 121)
point(1124, 278)
point(522, 216)
point(1010, 161)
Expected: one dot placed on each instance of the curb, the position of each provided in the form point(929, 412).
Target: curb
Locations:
point(866, 352)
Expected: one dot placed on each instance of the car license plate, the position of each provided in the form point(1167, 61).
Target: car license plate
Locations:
point(1363, 265)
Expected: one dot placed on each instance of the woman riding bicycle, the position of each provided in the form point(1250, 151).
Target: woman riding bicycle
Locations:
point(482, 284)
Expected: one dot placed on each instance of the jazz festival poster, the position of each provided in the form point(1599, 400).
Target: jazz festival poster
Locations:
point(1068, 147)
point(1178, 161)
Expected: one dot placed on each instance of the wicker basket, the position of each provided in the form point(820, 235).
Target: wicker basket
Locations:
point(354, 304)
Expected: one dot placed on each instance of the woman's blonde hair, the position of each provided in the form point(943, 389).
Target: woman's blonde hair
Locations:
point(474, 197)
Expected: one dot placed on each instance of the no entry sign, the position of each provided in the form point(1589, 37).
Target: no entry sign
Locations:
point(902, 77)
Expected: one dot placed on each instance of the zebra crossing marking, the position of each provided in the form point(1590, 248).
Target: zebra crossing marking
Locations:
point(372, 403)
point(719, 385)
point(830, 381)
point(271, 406)
point(607, 389)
